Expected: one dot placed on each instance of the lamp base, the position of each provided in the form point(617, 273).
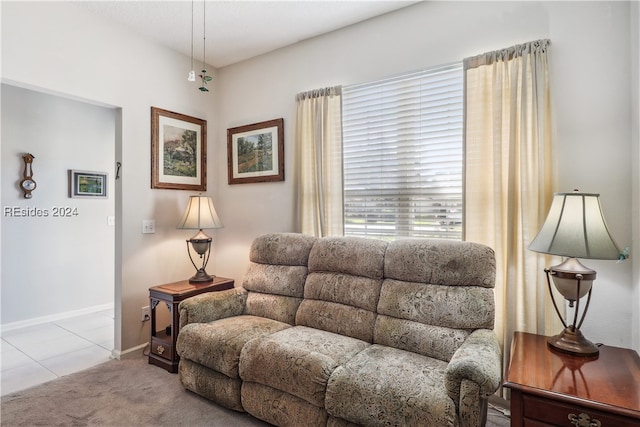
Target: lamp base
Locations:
point(201, 276)
point(571, 341)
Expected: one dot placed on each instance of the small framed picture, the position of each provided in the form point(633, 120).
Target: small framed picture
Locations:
point(255, 153)
point(178, 151)
point(88, 185)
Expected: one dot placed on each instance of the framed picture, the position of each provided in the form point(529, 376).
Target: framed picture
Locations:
point(88, 185)
point(255, 153)
point(178, 151)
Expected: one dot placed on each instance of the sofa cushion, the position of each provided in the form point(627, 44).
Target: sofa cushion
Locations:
point(339, 422)
point(297, 360)
point(356, 291)
point(356, 256)
point(440, 262)
point(343, 286)
point(217, 345)
point(281, 249)
point(435, 292)
point(433, 341)
point(280, 408)
point(337, 318)
point(340, 303)
point(276, 275)
point(287, 280)
point(462, 307)
point(384, 386)
point(275, 307)
point(211, 384)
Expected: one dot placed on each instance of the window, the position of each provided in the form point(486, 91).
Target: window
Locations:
point(403, 157)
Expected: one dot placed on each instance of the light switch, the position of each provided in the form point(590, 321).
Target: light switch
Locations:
point(148, 226)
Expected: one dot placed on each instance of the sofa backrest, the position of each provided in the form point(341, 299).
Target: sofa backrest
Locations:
point(434, 294)
point(343, 286)
point(276, 275)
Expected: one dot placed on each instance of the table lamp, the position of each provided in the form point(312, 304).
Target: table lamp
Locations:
point(574, 228)
point(200, 215)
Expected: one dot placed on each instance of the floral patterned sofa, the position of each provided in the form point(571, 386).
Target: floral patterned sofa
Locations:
point(343, 331)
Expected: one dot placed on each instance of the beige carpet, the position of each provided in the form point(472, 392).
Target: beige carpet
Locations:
point(126, 393)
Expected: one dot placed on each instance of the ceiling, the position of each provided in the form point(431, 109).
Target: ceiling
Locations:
point(236, 30)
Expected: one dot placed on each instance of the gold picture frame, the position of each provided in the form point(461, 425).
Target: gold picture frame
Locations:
point(178, 151)
point(255, 153)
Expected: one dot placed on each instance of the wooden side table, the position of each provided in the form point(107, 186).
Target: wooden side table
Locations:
point(555, 389)
point(163, 342)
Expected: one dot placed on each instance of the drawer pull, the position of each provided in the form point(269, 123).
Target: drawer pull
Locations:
point(584, 420)
point(160, 350)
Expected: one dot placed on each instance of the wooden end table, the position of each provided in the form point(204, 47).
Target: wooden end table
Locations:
point(549, 388)
point(163, 342)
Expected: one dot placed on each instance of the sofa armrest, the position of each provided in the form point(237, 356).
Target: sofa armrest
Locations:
point(212, 306)
point(478, 360)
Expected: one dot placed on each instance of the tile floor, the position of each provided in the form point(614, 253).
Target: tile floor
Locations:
point(37, 354)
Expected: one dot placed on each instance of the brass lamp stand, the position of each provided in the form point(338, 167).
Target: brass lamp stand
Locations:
point(201, 244)
point(571, 340)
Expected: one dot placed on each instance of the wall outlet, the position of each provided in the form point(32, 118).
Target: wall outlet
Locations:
point(145, 314)
point(148, 226)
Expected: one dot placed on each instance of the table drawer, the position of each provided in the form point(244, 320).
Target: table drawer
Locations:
point(161, 348)
point(563, 414)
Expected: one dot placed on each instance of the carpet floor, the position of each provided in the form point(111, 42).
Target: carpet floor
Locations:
point(127, 393)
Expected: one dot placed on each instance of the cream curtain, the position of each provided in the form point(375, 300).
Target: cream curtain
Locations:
point(318, 140)
point(509, 179)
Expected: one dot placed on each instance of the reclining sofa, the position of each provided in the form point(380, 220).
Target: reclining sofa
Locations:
point(344, 331)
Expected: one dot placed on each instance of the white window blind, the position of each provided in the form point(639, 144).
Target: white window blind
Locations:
point(403, 155)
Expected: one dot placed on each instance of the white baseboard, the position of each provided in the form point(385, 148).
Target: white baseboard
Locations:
point(53, 317)
point(128, 353)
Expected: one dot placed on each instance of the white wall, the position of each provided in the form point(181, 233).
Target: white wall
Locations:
point(54, 46)
point(58, 47)
point(591, 74)
point(593, 118)
point(63, 259)
point(634, 17)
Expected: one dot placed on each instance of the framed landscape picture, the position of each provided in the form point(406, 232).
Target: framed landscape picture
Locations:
point(178, 151)
point(86, 184)
point(255, 153)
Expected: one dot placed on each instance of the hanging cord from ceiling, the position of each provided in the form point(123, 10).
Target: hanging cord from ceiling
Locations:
point(205, 78)
point(192, 73)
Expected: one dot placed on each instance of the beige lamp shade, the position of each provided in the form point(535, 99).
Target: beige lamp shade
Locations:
point(575, 227)
point(200, 214)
